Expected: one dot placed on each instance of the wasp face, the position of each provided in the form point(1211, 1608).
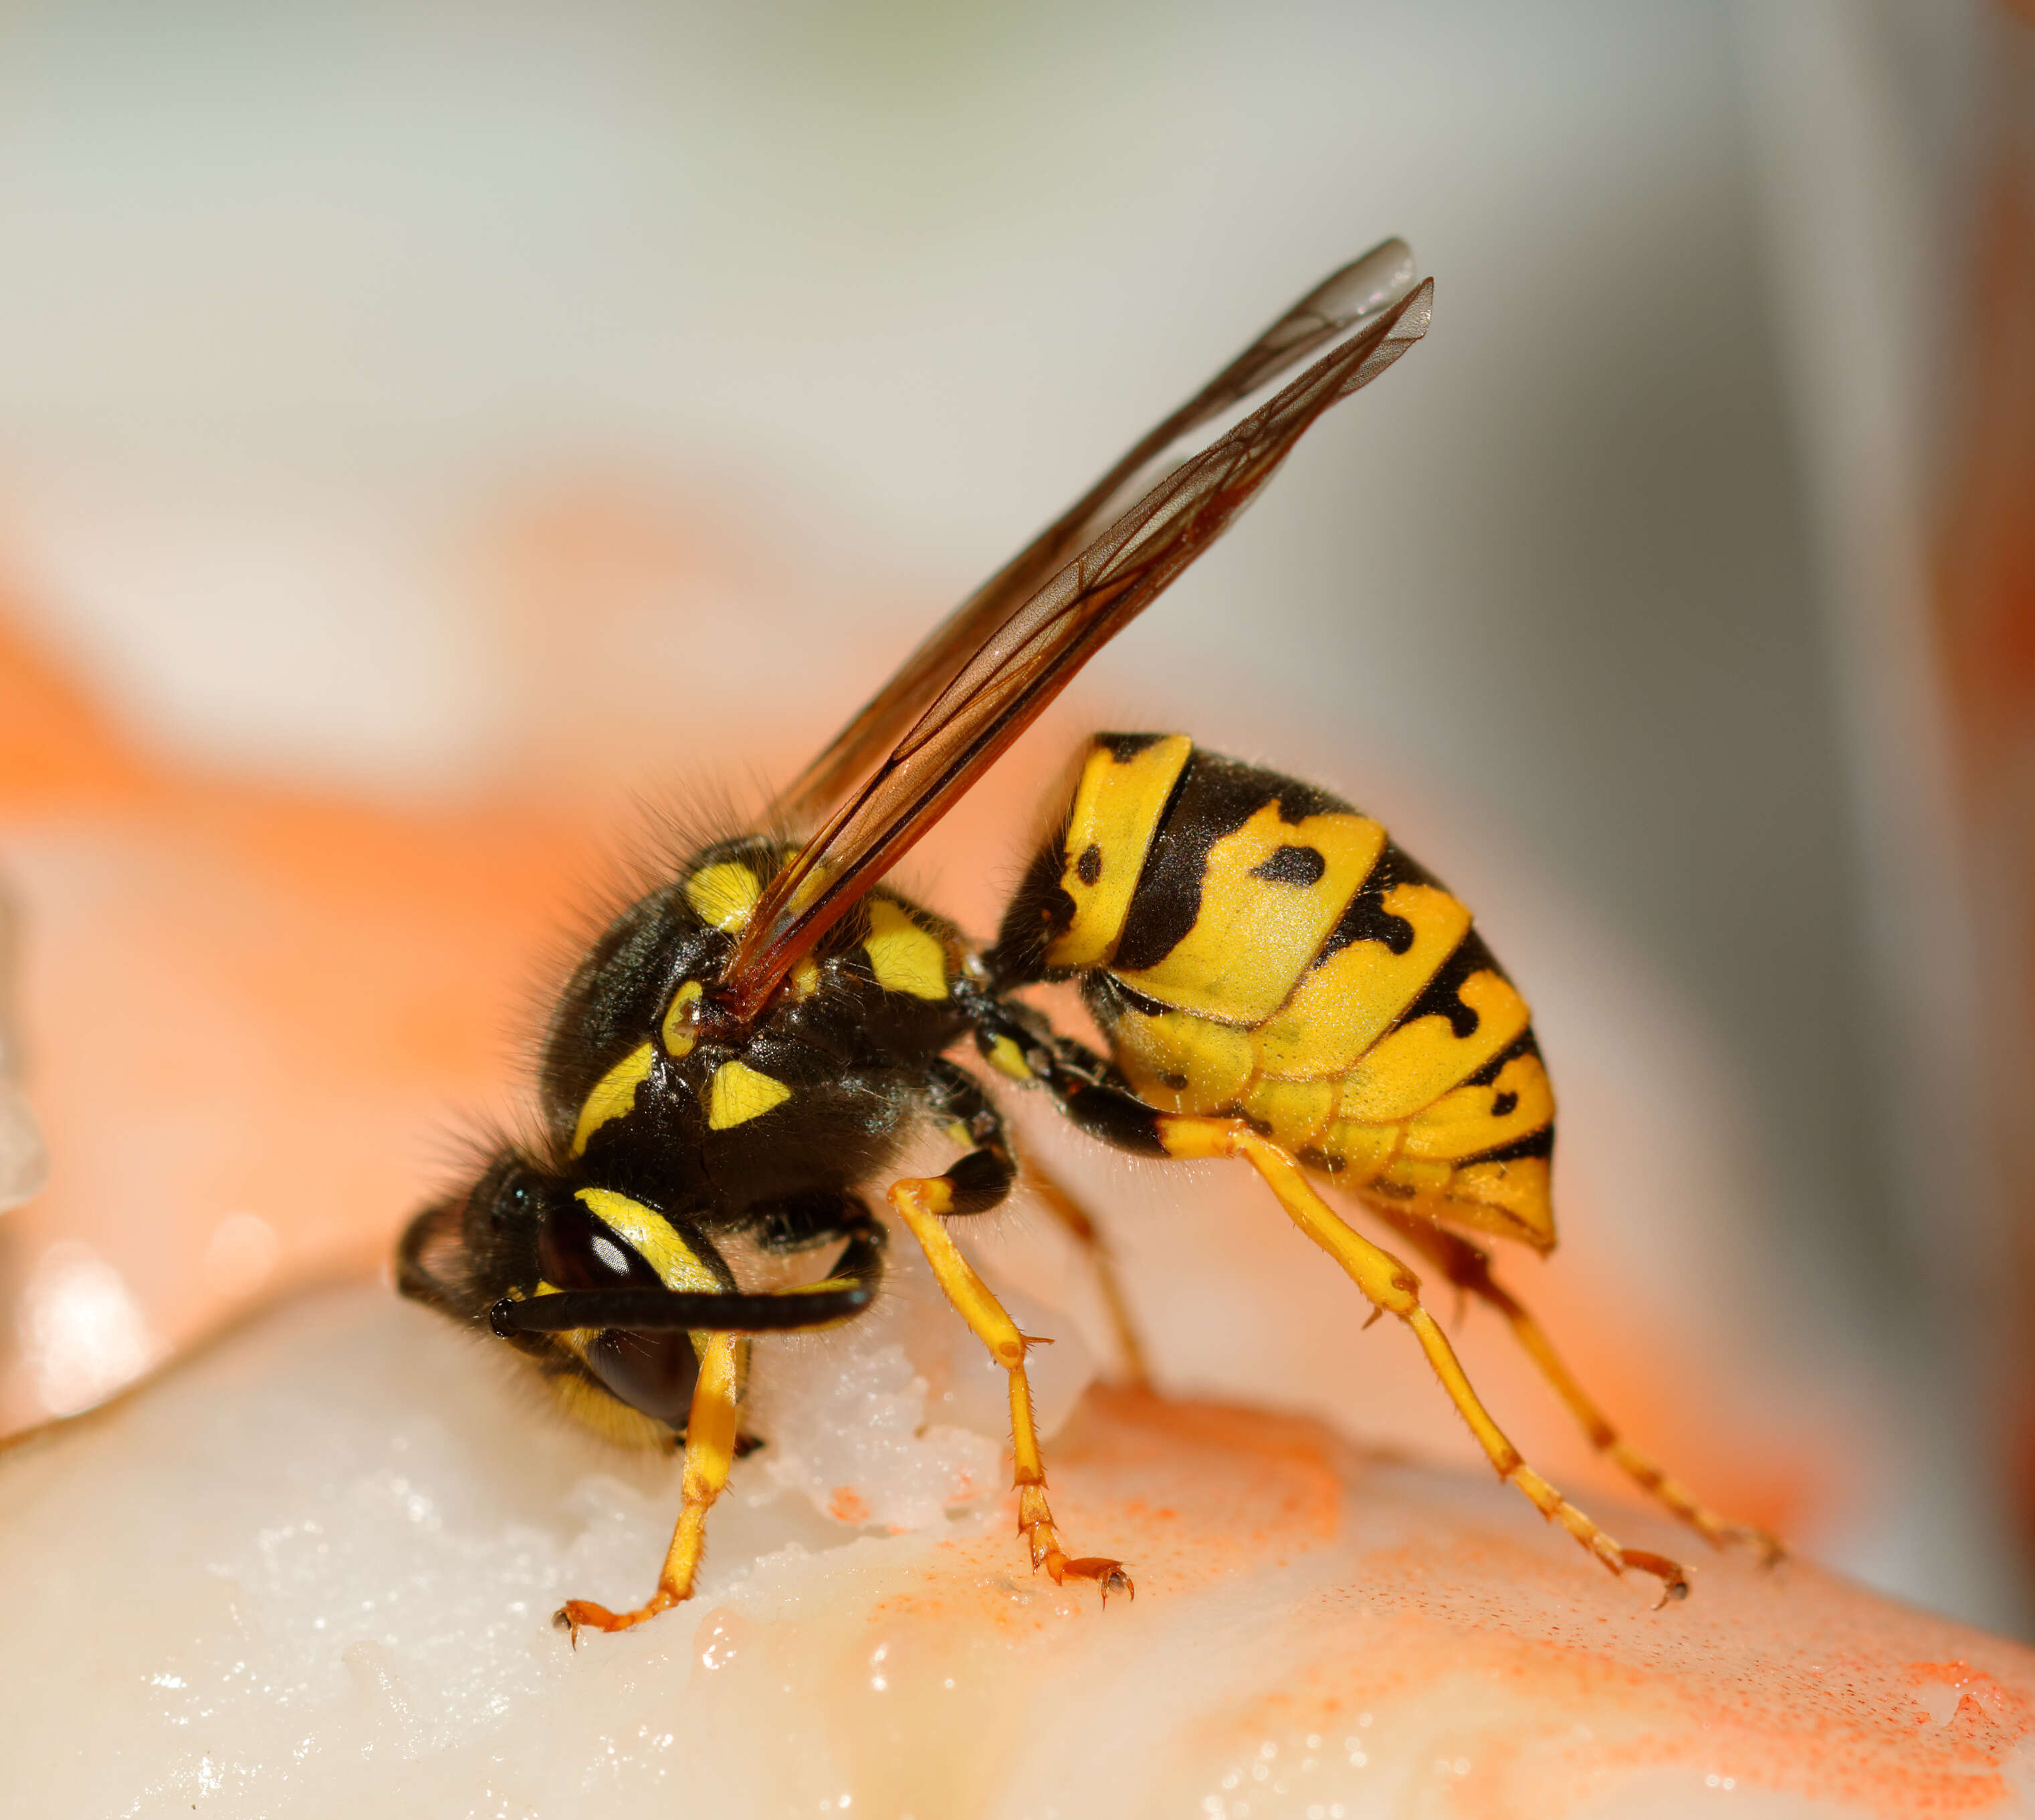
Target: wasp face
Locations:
point(520, 1233)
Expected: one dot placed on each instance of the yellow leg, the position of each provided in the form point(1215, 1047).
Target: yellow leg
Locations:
point(1395, 1289)
point(710, 1431)
point(1070, 1214)
point(1468, 1267)
point(919, 1203)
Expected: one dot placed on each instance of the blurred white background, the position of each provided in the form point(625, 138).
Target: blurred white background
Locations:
point(1609, 597)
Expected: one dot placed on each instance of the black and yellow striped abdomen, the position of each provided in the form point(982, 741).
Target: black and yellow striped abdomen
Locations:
point(1255, 947)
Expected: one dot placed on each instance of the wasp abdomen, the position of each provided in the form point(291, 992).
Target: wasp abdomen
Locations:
point(1255, 947)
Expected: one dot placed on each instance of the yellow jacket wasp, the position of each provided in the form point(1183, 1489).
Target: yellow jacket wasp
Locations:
point(1276, 980)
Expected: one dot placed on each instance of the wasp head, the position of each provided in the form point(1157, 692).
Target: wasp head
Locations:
point(520, 1232)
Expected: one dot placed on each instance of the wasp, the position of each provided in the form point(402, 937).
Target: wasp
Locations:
point(747, 1049)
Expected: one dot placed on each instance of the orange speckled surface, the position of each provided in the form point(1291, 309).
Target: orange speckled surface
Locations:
point(1792, 1681)
point(1385, 1600)
point(353, 1607)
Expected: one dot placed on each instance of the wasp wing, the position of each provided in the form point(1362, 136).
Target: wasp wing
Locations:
point(1017, 670)
point(1364, 289)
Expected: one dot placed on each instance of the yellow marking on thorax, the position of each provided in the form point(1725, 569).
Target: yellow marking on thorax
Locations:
point(1008, 1059)
point(1117, 806)
point(723, 894)
point(805, 979)
point(677, 1028)
point(904, 957)
point(1342, 1007)
point(1421, 1060)
point(739, 1093)
point(1254, 936)
point(613, 1095)
point(652, 1237)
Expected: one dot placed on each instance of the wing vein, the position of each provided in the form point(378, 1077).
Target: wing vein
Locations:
point(1014, 668)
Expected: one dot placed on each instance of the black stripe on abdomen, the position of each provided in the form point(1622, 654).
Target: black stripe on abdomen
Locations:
point(1214, 797)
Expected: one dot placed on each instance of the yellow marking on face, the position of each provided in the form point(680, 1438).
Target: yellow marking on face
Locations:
point(614, 1094)
point(1363, 1150)
point(958, 1133)
point(607, 1415)
point(723, 894)
point(739, 1093)
point(1421, 1060)
point(1341, 1008)
point(652, 1237)
point(1008, 1059)
point(1116, 810)
point(572, 1340)
point(1298, 1111)
point(1466, 1121)
point(677, 1028)
point(1254, 936)
point(904, 957)
point(805, 979)
point(1181, 1063)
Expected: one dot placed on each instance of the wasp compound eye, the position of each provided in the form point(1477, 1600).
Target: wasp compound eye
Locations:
point(654, 1373)
point(576, 1251)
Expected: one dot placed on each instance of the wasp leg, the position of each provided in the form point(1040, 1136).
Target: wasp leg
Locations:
point(710, 1440)
point(975, 1183)
point(1395, 1288)
point(1468, 1267)
point(1095, 1097)
point(1012, 1048)
point(1075, 1219)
